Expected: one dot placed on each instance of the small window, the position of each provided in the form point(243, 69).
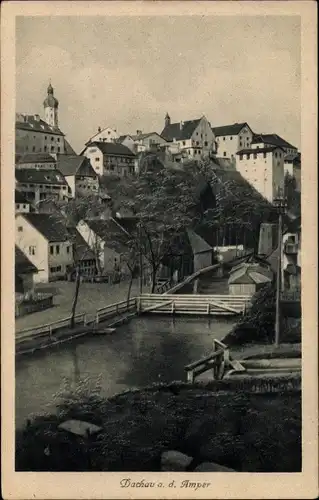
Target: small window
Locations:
point(240, 144)
point(45, 137)
point(223, 138)
point(265, 155)
point(97, 159)
point(255, 156)
point(197, 143)
point(33, 149)
point(275, 154)
point(32, 250)
point(52, 148)
point(20, 228)
point(24, 206)
point(206, 143)
point(57, 249)
point(58, 139)
point(240, 157)
point(51, 250)
point(224, 153)
point(45, 148)
point(67, 249)
point(59, 149)
point(231, 138)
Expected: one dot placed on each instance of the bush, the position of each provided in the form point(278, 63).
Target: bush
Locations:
point(137, 426)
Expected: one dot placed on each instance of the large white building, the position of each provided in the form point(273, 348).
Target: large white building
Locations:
point(263, 168)
point(193, 137)
point(232, 138)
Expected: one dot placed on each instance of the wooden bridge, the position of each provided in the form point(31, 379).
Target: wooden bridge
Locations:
point(208, 305)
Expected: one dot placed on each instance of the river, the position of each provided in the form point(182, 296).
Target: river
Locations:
point(144, 351)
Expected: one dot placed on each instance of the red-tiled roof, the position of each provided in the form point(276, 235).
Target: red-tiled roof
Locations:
point(34, 123)
point(50, 226)
point(40, 176)
point(180, 131)
point(35, 158)
point(233, 129)
point(267, 149)
point(22, 263)
point(112, 148)
point(272, 139)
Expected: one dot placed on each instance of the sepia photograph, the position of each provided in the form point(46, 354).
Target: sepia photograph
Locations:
point(157, 246)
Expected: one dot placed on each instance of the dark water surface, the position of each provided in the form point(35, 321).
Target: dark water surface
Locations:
point(145, 351)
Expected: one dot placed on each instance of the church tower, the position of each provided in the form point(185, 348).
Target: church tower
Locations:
point(167, 120)
point(51, 105)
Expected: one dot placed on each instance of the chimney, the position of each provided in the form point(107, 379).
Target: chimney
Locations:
point(181, 125)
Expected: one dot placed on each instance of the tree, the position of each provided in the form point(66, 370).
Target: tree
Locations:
point(69, 213)
point(292, 195)
point(165, 201)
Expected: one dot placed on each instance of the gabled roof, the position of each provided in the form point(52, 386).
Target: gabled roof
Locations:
point(22, 264)
point(140, 137)
point(178, 132)
point(267, 149)
point(198, 244)
point(82, 250)
point(272, 139)
point(123, 137)
point(19, 197)
point(68, 148)
point(111, 148)
point(33, 123)
point(233, 129)
point(39, 176)
point(246, 273)
point(76, 164)
point(50, 226)
point(35, 158)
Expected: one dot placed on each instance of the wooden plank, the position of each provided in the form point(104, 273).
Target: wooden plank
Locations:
point(224, 307)
point(204, 360)
point(156, 307)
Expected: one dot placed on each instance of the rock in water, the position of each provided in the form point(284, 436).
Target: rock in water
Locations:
point(174, 461)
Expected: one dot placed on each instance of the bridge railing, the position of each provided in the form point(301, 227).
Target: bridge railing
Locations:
point(217, 361)
point(49, 328)
point(115, 309)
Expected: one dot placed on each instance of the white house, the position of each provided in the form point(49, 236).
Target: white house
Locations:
point(79, 174)
point(110, 158)
point(44, 239)
point(263, 168)
point(232, 138)
point(266, 140)
point(41, 184)
point(107, 134)
point(195, 137)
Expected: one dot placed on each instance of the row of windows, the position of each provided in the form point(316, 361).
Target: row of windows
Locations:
point(55, 269)
point(45, 138)
point(19, 205)
point(45, 186)
point(45, 149)
point(57, 249)
point(254, 155)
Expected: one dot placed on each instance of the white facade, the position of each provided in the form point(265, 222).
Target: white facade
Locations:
point(264, 169)
point(106, 135)
point(229, 145)
point(22, 208)
point(51, 263)
point(201, 143)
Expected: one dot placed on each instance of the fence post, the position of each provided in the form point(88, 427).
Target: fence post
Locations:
point(190, 376)
point(173, 307)
point(208, 308)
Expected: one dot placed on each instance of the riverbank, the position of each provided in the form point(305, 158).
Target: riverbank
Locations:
point(245, 431)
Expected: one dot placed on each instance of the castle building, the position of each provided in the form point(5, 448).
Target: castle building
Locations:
point(34, 135)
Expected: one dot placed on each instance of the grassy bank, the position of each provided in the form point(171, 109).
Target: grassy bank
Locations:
point(251, 432)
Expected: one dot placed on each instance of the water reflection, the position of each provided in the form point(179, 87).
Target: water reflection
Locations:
point(145, 351)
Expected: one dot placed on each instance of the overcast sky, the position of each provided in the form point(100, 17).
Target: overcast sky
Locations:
point(126, 72)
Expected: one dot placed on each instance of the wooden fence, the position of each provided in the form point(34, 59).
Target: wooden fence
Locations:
point(48, 329)
point(211, 305)
point(115, 309)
